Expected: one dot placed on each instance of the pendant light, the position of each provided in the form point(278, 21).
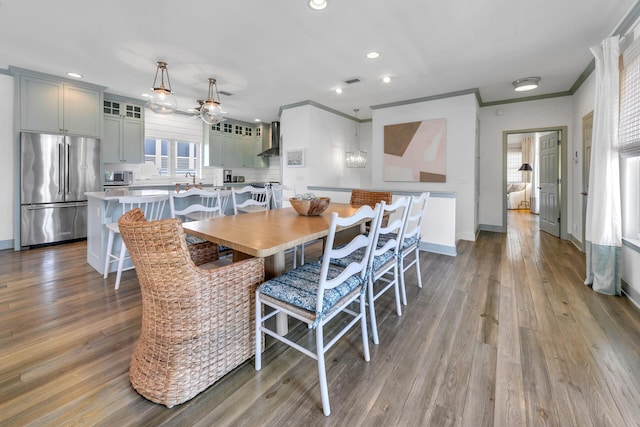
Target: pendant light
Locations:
point(210, 110)
point(162, 100)
point(356, 157)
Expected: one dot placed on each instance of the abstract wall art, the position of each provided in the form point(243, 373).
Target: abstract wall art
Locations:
point(416, 151)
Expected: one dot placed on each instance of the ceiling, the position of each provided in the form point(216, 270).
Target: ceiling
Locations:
point(269, 54)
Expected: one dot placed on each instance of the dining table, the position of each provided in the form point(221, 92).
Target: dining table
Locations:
point(267, 234)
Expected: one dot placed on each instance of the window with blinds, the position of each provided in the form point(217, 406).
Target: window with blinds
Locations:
point(629, 129)
point(173, 143)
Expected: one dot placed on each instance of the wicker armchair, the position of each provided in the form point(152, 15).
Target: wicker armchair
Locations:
point(370, 198)
point(197, 324)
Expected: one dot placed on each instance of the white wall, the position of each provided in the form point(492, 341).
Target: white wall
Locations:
point(324, 136)
point(460, 113)
point(6, 161)
point(554, 112)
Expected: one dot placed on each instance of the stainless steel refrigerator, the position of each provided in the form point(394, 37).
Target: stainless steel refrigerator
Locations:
point(56, 171)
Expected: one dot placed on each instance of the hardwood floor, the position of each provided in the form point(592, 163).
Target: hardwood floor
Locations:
point(504, 334)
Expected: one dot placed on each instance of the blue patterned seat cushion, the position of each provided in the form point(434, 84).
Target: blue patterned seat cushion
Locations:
point(356, 256)
point(409, 242)
point(193, 240)
point(299, 288)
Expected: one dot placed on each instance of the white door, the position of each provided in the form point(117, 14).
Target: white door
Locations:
point(549, 183)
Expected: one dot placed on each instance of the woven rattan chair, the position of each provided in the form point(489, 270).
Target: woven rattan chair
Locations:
point(370, 198)
point(197, 324)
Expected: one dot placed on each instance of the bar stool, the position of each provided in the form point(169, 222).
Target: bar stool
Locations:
point(153, 208)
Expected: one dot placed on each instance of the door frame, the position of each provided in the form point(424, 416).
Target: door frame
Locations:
point(562, 186)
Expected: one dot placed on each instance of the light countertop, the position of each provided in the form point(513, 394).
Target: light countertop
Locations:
point(116, 194)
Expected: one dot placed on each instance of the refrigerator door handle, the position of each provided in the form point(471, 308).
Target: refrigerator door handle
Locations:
point(61, 168)
point(55, 205)
point(67, 159)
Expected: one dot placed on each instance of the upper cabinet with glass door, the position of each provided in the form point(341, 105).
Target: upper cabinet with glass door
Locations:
point(123, 132)
point(234, 144)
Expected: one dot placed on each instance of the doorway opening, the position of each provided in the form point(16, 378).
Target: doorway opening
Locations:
point(545, 150)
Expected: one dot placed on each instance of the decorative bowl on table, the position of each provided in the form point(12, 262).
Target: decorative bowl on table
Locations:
point(310, 207)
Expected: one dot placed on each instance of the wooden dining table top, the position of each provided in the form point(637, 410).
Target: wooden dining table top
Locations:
point(266, 233)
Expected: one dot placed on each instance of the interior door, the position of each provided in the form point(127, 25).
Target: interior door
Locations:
point(549, 183)
point(587, 131)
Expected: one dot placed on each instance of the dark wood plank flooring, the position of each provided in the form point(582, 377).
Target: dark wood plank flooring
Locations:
point(504, 334)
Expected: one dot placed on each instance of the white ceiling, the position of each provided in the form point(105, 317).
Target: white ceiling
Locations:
point(271, 53)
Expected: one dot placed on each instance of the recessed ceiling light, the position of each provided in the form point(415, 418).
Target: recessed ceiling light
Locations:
point(527, 83)
point(386, 79)
point(373, 55)
point(145, 95)
point(317, 4)
point(74, 75)
point(257, 120)
point(339, 90)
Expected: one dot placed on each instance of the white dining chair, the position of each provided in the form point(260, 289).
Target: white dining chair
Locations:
point(280, 195)
point(315, 293)
point(383, 266)
point(195, 204)
point(153, 208)
point(257, 199)
point(410, 240)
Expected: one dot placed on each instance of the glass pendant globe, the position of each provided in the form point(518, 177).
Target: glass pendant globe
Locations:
point(211, 112)
point(162, 102)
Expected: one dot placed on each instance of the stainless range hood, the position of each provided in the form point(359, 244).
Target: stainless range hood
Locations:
point(274, 149)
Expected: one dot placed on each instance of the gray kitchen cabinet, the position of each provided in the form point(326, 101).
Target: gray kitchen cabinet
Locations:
point(234, 145)
point(47, 105)
point(259, 162)
point(228, 151)
point(215, 149)
point(123, 139)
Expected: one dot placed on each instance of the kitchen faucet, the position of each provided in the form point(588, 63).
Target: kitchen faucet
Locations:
point(193, 175)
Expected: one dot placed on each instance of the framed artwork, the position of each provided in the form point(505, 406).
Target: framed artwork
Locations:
point(295, 158)
point(416, 151)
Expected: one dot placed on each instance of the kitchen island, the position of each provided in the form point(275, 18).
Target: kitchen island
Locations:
point(104, 207)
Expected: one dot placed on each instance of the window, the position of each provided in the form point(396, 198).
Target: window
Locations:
point(174, 144)
point(514, 161)
point(172, 158)
point(629, 141)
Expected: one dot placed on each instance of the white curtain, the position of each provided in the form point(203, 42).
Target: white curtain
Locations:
point(603, 222)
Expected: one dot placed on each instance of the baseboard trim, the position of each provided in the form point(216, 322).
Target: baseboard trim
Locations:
point(493, 228)
point(631, 293)
point(577, 243)
point(6, 244)
point(438, 249)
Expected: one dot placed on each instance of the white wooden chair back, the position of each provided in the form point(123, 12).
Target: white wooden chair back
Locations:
point(357, 264)
point(414, 221)
point(198, 204)
point(258, 199)
point(280, 195)
point(152, 206)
